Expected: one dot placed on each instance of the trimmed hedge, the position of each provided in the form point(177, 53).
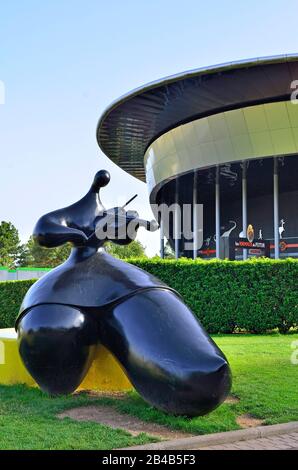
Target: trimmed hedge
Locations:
point(11, 296)
point(255, 296)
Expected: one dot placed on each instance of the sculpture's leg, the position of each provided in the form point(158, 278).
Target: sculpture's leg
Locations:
point(166, 353)
point(56, 344)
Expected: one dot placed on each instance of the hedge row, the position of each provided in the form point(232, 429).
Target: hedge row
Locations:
point(227, 296)
point(11, 296)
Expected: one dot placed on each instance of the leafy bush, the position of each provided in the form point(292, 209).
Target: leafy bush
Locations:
point(11, 296)
point(227, 296)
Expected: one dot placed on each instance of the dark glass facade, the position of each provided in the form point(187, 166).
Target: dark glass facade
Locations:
point(259, 202)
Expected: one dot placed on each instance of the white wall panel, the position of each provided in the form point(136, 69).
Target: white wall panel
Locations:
point(253, 132)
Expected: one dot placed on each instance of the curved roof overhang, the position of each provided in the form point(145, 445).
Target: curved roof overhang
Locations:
point(250, 133)
point(130, 124)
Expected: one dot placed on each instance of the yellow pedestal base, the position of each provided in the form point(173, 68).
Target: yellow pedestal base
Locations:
point(105, 374)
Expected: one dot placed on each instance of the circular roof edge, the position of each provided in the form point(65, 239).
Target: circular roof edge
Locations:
point(112, 126)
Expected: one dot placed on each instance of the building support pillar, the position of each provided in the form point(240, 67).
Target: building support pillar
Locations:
point(217, 213)
point(195, 215)
point(177, 221)
point(244, 204)
point(162, 238)
point(276, 207)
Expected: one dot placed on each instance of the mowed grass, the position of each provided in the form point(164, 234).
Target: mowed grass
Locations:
point(28, 421)
point(264, 380)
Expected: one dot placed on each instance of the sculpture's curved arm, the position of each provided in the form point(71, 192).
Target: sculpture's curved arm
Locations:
point(87, 223)
point(119, 226)
point(51, 232)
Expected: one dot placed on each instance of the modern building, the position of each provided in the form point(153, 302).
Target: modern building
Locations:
point(224, 136)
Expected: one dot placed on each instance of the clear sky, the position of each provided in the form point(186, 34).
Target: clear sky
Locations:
point(62, 62)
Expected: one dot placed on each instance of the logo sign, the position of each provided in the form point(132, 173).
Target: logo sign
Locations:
point(256, 252)
point(242, 243)
point(250, 233)
point(256, 247)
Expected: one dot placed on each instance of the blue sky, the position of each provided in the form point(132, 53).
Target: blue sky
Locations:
point(62, 62)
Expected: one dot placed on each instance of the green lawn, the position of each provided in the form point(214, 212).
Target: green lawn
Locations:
point(28, 421)
point(264, 380)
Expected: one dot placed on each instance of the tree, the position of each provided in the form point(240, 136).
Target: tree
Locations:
point(134, 250)
point(38, 256)
point(11, 249)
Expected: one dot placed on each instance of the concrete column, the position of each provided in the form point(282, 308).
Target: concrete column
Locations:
point(177, 222)
point(162, 239)
point(195, 215)
point(244, 203)
point(276, 207)
point(217, 212)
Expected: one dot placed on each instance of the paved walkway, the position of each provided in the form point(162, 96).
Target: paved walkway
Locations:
point(104, 414)
point(282, 442)
point(274, 437)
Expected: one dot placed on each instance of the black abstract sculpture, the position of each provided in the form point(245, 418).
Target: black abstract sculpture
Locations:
point(94, 298)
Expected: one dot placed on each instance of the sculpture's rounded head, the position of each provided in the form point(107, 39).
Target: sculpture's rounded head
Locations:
point(101, 179)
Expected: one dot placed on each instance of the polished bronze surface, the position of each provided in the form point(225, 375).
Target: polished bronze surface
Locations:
point(93, 299)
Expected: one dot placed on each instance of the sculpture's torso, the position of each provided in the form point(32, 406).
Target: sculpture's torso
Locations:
point(89, 278)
